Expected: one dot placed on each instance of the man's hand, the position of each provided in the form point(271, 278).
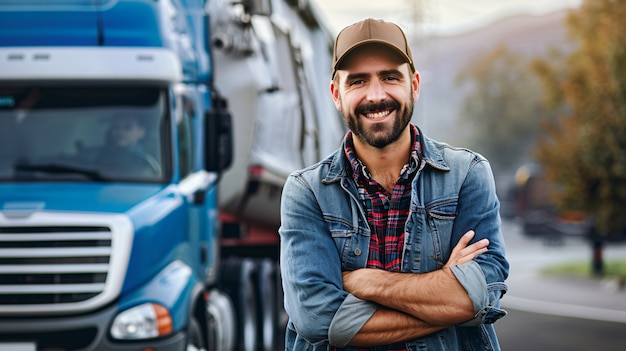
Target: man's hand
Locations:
point(436, 297)
point(463, 253)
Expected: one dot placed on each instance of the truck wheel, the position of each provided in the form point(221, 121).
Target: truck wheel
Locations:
point(238, 280)
point(267, 302)
point(194, 336)
point(281, 315)
point(221, 322)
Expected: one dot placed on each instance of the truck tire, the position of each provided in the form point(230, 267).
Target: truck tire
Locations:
point(195, 342)
point(281, 315)
point(221, 325)
point(238, 282)
point(267, 303)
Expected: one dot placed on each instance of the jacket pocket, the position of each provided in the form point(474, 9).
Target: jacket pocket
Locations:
point(440, 215)
point(442, 209)
point(351, 241)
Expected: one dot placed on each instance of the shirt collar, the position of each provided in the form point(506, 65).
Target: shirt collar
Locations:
point(359, 169)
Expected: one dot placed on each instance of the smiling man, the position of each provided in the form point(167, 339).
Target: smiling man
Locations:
point(394, 241)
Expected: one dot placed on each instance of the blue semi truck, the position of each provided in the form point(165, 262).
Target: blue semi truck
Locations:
point(143, 147)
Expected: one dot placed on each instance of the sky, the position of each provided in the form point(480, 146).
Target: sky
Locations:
point(444, 17)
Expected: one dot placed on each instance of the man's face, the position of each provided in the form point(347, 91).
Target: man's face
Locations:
point(126, 132)
point(375, 90)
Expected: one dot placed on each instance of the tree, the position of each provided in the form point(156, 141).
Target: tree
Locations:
point(503, 108)
point(585, 151)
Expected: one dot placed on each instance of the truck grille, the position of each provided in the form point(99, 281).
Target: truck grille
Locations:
point(52, 263)
point(49, 265)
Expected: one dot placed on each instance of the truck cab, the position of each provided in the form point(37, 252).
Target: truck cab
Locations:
point(110, 152)
point(143, 148)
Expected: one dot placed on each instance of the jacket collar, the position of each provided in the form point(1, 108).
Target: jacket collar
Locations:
point(431, 156)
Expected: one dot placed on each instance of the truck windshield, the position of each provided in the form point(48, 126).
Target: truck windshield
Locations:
point(82, 133)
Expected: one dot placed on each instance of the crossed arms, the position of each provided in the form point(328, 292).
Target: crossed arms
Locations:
point(413, 305)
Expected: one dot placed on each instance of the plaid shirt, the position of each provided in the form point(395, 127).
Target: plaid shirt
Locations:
point(386, 214)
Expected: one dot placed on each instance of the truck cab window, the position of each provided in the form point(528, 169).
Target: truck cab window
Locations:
point(81, 133)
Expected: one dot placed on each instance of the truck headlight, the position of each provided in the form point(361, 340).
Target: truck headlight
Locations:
point(142, 322)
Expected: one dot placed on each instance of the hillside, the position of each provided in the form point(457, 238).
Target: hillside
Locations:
point(441, 59)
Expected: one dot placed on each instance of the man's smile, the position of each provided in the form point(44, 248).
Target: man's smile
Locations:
point(378, 110)
point(377, 114)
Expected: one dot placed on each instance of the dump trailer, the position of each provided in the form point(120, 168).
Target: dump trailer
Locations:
point(143, 148)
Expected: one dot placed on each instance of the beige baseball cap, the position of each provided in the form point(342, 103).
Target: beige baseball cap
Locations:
point(370, 31)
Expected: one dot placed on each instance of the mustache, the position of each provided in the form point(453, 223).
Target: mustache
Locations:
point(374, 107)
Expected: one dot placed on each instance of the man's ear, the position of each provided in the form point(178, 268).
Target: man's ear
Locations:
point(415, 82)
point(334, 92)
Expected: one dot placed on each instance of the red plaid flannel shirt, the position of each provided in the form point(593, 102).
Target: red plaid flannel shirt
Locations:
point(386, 215)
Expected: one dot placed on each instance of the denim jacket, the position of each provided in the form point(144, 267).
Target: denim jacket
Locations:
point(324, 231)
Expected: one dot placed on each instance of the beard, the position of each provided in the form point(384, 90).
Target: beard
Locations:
point(380, 135)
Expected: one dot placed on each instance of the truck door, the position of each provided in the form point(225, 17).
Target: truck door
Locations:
point(197, 185)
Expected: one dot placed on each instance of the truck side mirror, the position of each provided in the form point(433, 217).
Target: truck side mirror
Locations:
point(218, 137)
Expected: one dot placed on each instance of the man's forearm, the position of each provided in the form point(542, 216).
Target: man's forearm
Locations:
point(436, 297)
point(388, 326)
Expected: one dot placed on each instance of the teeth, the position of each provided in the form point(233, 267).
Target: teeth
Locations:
point(376, 115)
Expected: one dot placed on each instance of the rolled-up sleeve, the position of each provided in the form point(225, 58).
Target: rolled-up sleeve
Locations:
point(485, 297)
point(349, 319)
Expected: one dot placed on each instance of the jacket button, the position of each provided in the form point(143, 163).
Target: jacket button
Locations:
point(357, 252)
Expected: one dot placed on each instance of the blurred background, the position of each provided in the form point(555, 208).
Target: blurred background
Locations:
point(539, 88)
point(536, 86)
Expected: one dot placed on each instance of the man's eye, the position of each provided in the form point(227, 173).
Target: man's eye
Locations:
point(356, 82)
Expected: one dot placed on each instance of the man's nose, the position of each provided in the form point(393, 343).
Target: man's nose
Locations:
point(376, 91)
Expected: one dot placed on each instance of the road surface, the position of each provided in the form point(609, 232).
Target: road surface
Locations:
point(557, 313)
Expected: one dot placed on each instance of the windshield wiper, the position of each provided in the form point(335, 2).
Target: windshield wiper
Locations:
point(53, 168)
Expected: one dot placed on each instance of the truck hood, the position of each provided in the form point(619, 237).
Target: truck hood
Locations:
point(72, 197)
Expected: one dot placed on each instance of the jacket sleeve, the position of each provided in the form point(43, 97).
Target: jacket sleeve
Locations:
point(311, 272)
point(483, 278)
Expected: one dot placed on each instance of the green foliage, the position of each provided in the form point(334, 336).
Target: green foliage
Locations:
point(582, 269)
point(503, 109)
point(585, 150)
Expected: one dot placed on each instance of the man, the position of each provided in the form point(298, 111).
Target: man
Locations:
point(393, 241)
point(126, 133)
point(124, 147)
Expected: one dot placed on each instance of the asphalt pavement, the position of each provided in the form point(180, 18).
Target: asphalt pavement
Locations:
point(534, 292)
